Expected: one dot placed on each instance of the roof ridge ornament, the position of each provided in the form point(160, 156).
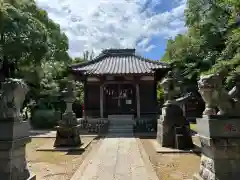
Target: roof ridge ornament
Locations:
point(119, 51)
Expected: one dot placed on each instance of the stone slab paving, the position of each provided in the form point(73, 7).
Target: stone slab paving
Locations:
point(118, 158)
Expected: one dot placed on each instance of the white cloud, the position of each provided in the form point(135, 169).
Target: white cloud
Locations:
point(99, 24)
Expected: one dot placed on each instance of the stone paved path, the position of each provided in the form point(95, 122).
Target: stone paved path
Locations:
point(116, 159)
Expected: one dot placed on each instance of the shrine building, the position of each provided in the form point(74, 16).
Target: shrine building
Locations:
point(120, 82)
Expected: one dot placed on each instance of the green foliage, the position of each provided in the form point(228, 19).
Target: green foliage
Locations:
point(160, 94)
point(34, 48)
point(211, 44)
point(45, 119)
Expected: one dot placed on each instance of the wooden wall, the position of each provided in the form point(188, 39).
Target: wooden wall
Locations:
point(148, 97)
point(92, 99)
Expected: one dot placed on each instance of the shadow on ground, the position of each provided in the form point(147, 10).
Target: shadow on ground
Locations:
point(36, 132)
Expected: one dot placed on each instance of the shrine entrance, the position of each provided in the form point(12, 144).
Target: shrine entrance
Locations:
point(119, 99)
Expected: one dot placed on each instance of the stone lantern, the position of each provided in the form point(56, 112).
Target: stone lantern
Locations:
point(68, 128)
point(172, 127)
point(14, 132)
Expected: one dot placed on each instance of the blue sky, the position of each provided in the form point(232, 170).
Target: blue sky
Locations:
point(99, 24)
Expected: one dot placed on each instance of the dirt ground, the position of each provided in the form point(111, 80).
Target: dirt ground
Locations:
point(54, 165)
point(172, 166)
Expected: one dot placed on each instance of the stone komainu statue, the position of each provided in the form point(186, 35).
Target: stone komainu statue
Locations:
point(216, 96)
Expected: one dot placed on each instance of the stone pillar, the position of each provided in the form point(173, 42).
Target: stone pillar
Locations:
point(220, 141)
point(14, 133)
point(101, 101)
point(68, 128)
point(138, 101)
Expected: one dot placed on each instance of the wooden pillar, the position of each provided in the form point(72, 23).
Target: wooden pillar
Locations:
point(138, 100)
point(101, 101)
point(85, 94)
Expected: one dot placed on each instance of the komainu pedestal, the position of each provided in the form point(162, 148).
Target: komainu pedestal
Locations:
point(13, 139)
point(219, 132)
point(14, 133)
point(173, 129)
point(220, 141)
point(68, 129)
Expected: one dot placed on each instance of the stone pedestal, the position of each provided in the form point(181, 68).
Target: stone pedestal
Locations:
point(68, 131)
point(173, 130)
point(67, 136)
point(14, 135)
point(220, 141)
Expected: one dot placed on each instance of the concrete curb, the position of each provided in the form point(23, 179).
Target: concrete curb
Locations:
point(152, 175)
point(77, 175)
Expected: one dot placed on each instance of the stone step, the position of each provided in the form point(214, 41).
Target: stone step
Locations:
point(120, 126)
point(123, 116)
point(121, 121)
point(120, 131)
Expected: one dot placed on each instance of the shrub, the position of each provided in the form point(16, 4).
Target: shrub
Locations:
point(44, 119)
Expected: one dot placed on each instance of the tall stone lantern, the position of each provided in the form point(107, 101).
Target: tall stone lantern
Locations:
point(172, 127)
point(14, 132)
point(170, 88)
point(68, 128)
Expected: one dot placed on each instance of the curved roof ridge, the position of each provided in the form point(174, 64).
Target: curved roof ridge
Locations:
point(119, 62)
point(149, 60)
point(94, 60)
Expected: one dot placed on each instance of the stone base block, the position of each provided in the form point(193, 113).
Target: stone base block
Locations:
point(11, 130)
point(183, 138)
point(67, 136)
point(85, 143)
point(160, 149)
point(13, 164)
point(173, 129)
point(220, 142)
point(175, 137)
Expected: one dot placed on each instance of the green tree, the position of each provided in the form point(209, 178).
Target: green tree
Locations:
point(22, 38)
point(211, 43)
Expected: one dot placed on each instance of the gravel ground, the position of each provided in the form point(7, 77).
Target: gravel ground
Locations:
point(172, 166)
point(54, 165)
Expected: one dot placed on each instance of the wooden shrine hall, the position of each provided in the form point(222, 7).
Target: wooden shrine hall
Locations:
point(119, 82)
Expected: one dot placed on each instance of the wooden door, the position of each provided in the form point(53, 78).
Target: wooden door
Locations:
point(110, 92)
point(127, 93)
point(119, 99)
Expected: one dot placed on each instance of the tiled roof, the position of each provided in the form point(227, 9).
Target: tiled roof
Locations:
point(119, 61)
